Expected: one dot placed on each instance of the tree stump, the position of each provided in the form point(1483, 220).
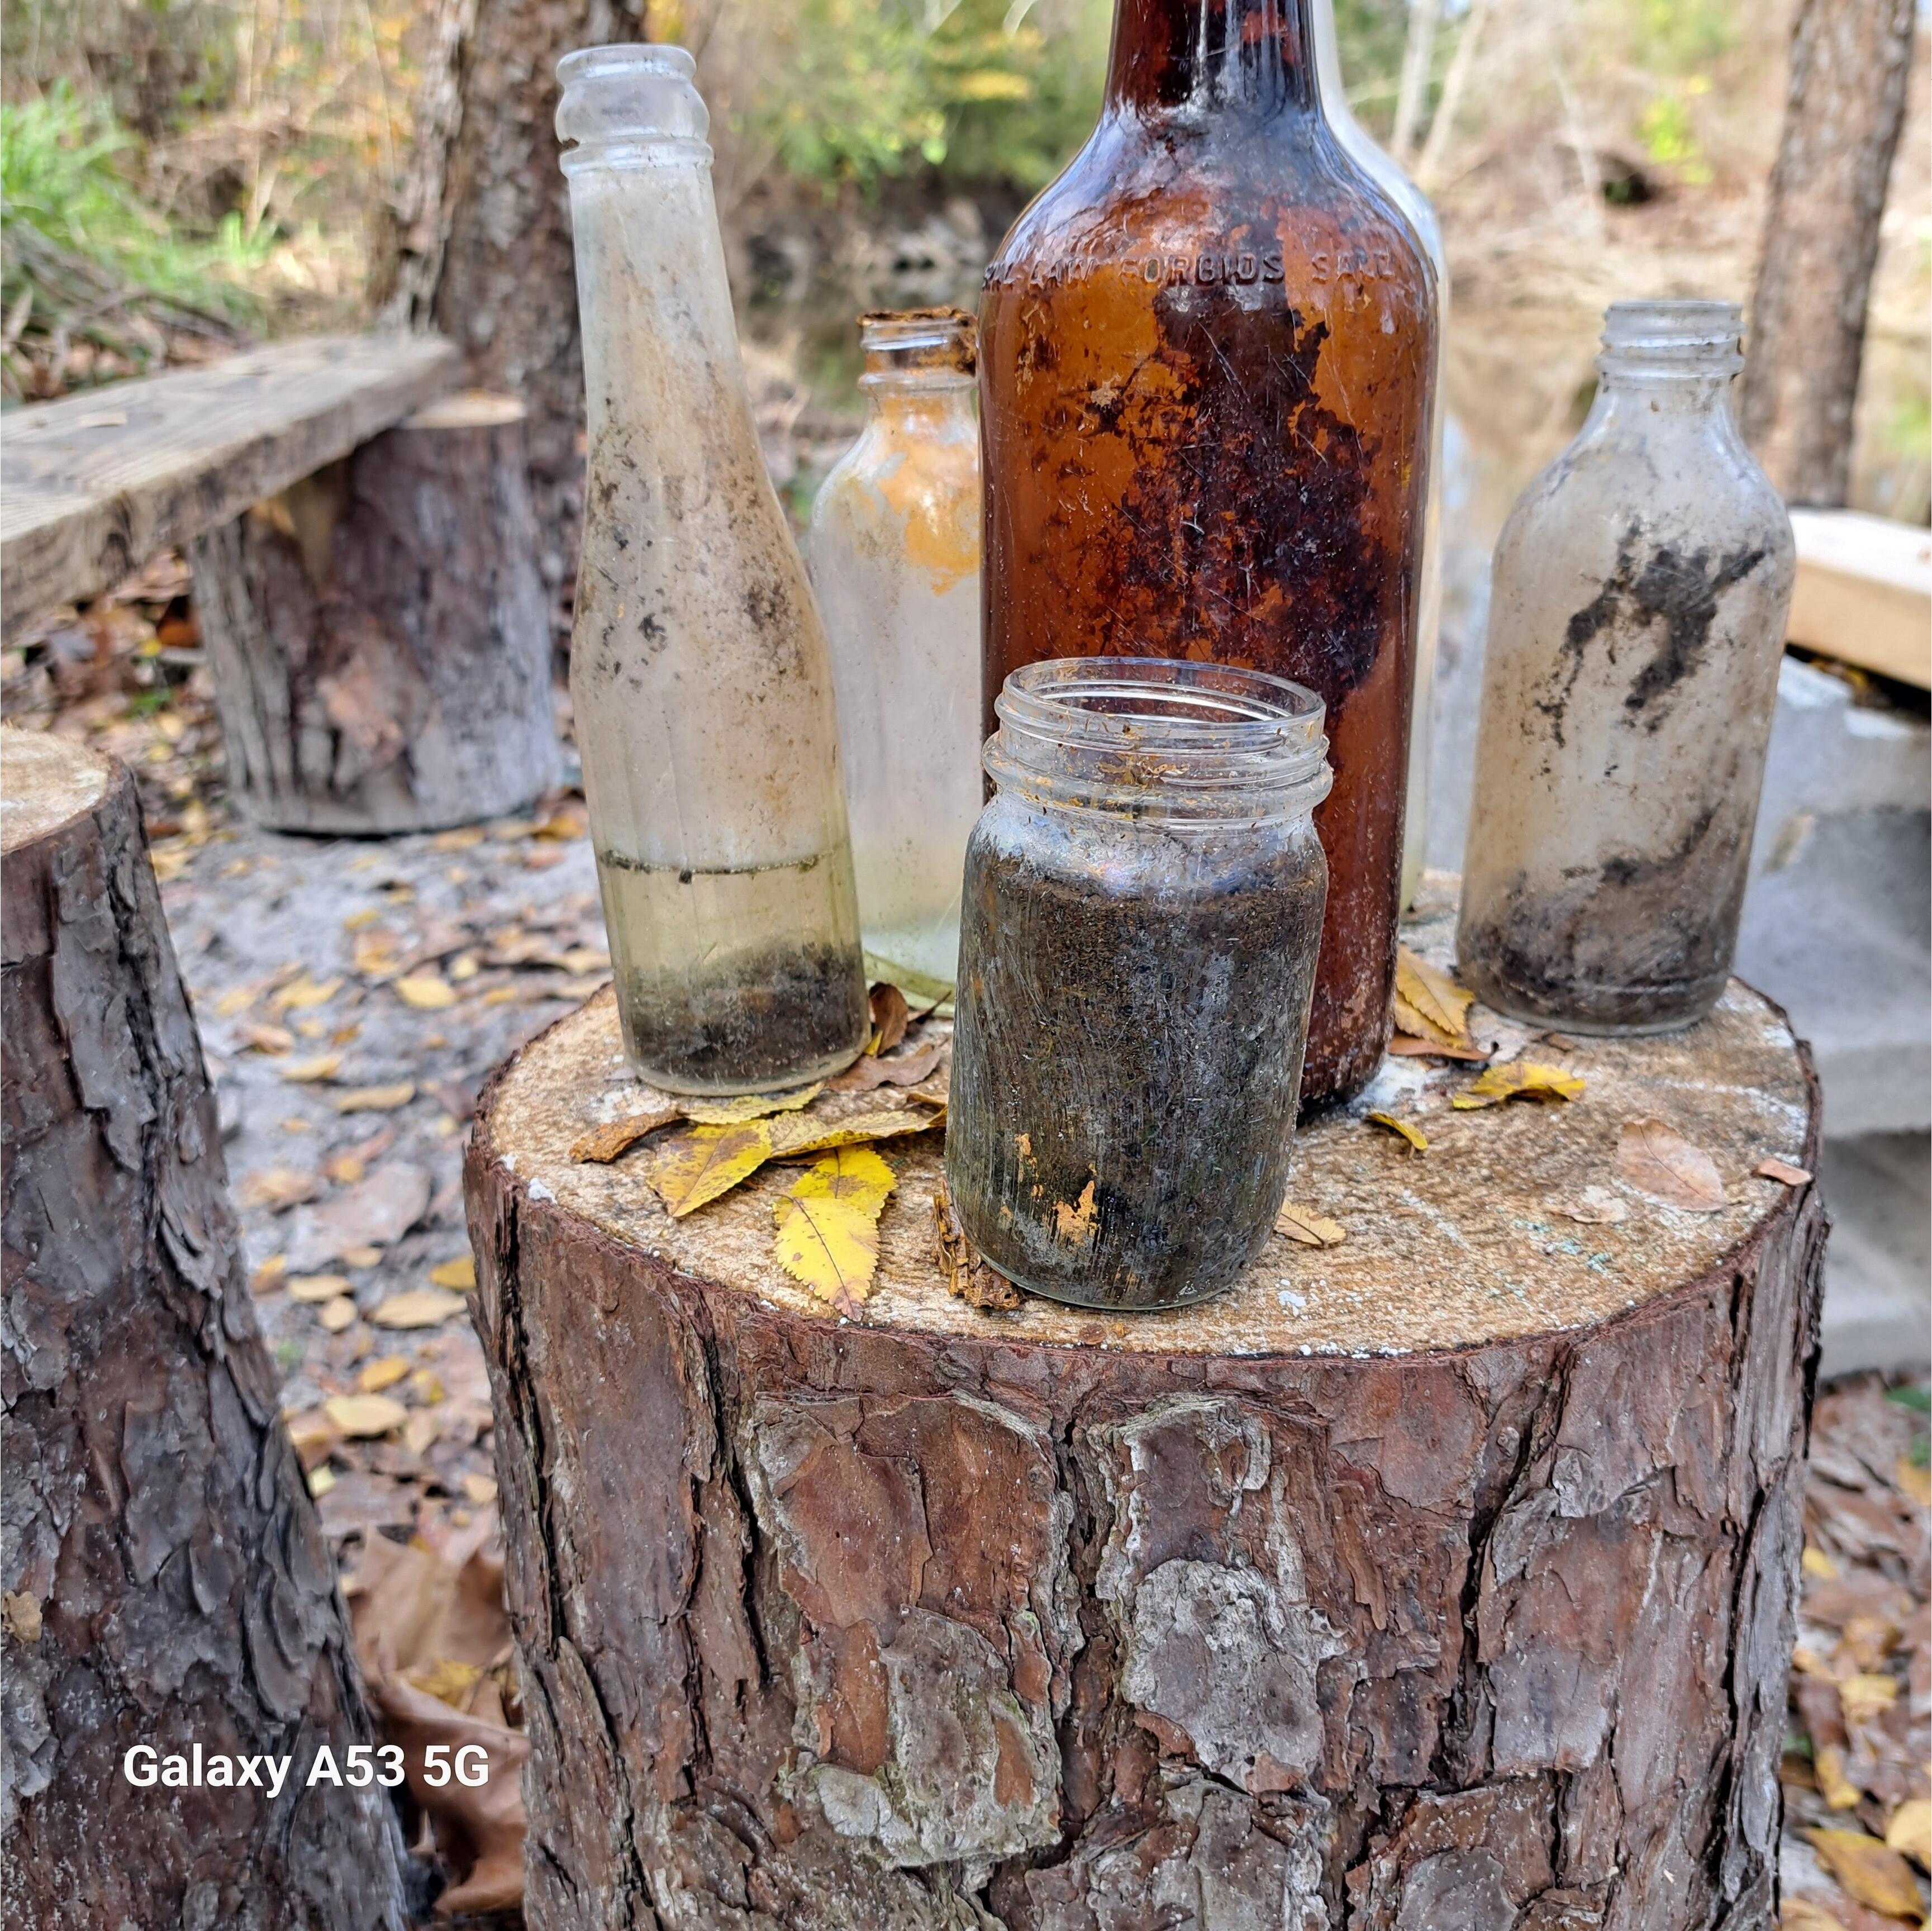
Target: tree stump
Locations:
point(378, 635)
point(1442, 1580)
point(166, 1581)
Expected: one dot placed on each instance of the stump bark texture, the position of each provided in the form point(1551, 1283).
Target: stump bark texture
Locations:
point(1440, 1581)
point(165, 1578)
point(378, 635)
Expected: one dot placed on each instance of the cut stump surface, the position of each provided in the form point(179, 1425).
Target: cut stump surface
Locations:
point(1442, 1578)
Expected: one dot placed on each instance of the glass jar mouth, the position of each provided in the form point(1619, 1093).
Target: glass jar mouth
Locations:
point(630, 106)
point(1691, 337)
point(924, 348)
point(1164, 739)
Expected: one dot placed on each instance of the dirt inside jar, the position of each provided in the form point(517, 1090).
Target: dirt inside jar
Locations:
point(1127, 1052)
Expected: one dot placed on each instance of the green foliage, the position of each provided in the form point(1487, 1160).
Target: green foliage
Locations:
point(876, 88)
point(71, 220)
point(1681, 36)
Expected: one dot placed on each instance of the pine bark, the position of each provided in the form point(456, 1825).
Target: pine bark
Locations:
point(483, 249)
point(379, 638)
point(166, 1580)
point(1850, 62)
point(918, 1622)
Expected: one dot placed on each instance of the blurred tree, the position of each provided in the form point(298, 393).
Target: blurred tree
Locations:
point(1849, 63)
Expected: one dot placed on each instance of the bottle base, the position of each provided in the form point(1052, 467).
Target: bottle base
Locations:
point(1065, 1295)
point(1597, 1012)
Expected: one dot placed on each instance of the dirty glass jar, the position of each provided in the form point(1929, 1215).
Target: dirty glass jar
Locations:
point(894, 549)
point(1636, 623)
point(699, 673)
point(1143, 905)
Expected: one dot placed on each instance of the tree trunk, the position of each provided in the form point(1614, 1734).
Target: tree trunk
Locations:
point(1443, 1580)
point(1850, 60)
point(379, 638)
point(166, 1580)
point(484, 250)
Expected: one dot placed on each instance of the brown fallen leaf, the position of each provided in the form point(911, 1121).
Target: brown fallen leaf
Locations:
point(968, 1276)
point(1595, 1207)
point(1665, 1167)
point(1520, 1079)
point(828, 1226)
point(267, 1278)
point(345, 1169)
point(274, 1040)
point(312, 1289)
point(1783, 1170)
point(302, 993)
point(418, 1307)
point(375, 1212)
point(1866, 1695)
point(1428, 1004)
point(1909, 1831)
point(338, 1315)
point(481, 1489)
point(378, 1375)
point(1870, 1870)
point(1807, 1913)
point(1828, 1765)
point(891, 1015)
point(304, 1072)
point(279, 1188)
point(1402, 1129)
point(459, 1276)
point(361, 1417)
point(1404, 1045)
point(603, 1144)
point(907, 1069)
point(376, 1099)
point(426, 992)
point(1312, 1229)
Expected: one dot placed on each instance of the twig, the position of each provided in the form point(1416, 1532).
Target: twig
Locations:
point(1442, 125)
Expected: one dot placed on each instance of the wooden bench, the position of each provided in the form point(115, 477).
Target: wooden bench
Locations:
point(363, 554)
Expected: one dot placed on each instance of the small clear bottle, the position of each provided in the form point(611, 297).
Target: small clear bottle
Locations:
point(1636, 623)
point(1388, 173)
point(1143, 907)
point(699, 673)
point(894, 549)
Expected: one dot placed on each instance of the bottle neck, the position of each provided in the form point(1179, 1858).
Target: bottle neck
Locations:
point(932, 403)
point(1251, 58)
point(1668, 360)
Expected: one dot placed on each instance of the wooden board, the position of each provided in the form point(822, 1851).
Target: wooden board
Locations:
point(93, 485)
point(1864, 593)
point(1443, 1578)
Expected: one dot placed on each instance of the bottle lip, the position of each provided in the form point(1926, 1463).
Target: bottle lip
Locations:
point(1692, 337)
point(1159, 739)
point(630, 105)
point(926, 348)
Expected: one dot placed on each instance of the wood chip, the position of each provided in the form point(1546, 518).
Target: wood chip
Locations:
point(1783, 1170)
point(1665, 1167)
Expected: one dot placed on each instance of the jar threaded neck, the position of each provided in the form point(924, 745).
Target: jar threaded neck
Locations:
point(1696, 339)
point(926, 348)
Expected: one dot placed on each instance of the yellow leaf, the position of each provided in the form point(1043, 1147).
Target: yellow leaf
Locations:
point(1312, 1229)
point(1839, 1792)
point(236, 999)
point(1872, 1872)
point(305, 992)
point(481, 1489)
point(376, 1099)
point(311, 1288)
point(1915, 1481)
point(1430, 1004)
point(338, 1313)
point(752, 1106)
point(1414, 1135)
point(420, 1433)
point(385, 1373)
point(426, 992)
point(459, 1274)
point(1910, 1831)
point(1816, 1563)
point(828, 1226)
point(1862, 1698)
point(791, 1137)
point(1806, 1913)
point(418, 1307)
point(360, 1416)
point(1525, 1079)
point(320, 1481)
point(1664, 1167)
point(698, 1166)
point(360, 1256)
point(324, 1066)
point(445, 1679)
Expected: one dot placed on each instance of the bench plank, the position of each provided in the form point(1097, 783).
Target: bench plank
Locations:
point(93, 485)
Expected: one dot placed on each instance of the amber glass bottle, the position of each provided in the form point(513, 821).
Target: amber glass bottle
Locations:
point(1206, 358)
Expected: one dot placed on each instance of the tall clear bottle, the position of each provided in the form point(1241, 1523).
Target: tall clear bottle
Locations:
point(895, 555)
point(699, 673)
point(1207, 354)
point(1408, 195)
point(1636, 622)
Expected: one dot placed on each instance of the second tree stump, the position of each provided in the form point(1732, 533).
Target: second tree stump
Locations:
point(1443, 1580)
point(378, 635)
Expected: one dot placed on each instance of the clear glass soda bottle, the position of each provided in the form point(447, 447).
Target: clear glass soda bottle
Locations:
point(699, 676)
point(1636, 624)
point(894, 549)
